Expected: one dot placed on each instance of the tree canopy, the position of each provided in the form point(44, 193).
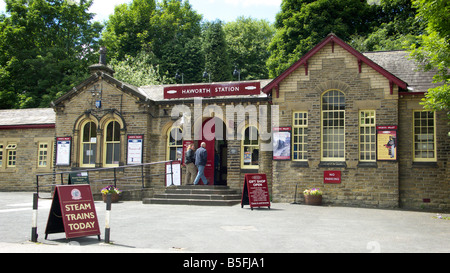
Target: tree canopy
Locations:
point(45, 47)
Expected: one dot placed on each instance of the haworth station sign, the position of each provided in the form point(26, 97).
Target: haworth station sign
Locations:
point(212, 90)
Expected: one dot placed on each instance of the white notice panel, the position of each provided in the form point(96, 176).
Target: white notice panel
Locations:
point(63, 145)
point(176, 174)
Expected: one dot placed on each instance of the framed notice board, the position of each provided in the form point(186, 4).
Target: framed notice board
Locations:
point(282, 143)
point(387, 143)
point(63, 146)
point(256, 191)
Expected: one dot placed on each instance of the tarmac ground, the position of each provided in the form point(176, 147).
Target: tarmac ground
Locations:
point(284, 228)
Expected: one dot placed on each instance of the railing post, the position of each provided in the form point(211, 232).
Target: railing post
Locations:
point(107, 218)
point(115, 178)
point(37, 185)
point(34, 235)
point(171, 173)
point(142, 174)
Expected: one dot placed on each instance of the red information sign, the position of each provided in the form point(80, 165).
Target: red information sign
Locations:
point(332, 177)
point(256, 191)
point(73, 212)
point(212, 90)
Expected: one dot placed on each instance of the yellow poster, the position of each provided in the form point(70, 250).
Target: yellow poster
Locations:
point(387, 142)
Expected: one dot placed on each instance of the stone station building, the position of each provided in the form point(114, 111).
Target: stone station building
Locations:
point(346, 122)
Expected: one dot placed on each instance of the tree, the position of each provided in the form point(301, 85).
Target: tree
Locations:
point(217, 61)
point(433, 51)
point(301, 24)
point(169, 30)
point(248, 40)
point(137, 71)
point(395, 27)
point(46, 47)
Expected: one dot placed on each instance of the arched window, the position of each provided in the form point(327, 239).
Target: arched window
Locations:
point(333, 126)
point(250, 148)
point(175, 144)
point(88, 145)
point(112, 144)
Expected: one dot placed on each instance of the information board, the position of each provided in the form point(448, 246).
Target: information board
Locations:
point(73, 212)
point(135, 149)
point(78, 178)
point(63, 145)
point(256, 191)
point(176, 181)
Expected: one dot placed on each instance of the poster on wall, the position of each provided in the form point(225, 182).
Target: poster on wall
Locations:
point(135, 149)
point(387, 143)
point(282, 143)
point(63, 145)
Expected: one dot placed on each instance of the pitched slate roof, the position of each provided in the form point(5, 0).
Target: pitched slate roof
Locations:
point(401, 65)
point(36, 117)
point(332, 38)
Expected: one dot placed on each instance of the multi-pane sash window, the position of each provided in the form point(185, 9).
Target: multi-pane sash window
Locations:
point(250, 148)
point(11, 150)
point(424, 136)
point(175, 144)
point(112, 142)
point(89, 144)
point(367, 136)
point(300, 136)
point(43, 155)
point(333, 126)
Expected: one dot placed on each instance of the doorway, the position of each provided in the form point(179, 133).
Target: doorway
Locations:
point(216, 147)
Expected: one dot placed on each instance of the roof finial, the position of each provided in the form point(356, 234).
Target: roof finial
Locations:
point(103, 52)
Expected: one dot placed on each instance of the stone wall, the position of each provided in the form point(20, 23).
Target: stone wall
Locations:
point(363, 185)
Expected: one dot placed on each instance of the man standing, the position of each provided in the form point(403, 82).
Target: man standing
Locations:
point(201, 156)
point(191, 170)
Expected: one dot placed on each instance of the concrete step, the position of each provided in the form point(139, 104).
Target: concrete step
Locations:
point(196, 195)
point(190, 202)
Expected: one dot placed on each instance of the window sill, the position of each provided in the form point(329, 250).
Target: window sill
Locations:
point(367, 165)
point(332, 164)
point(254, 170)
point(424, 165)
point(300, 164)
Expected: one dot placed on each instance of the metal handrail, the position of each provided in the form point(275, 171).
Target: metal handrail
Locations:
point(114, 169)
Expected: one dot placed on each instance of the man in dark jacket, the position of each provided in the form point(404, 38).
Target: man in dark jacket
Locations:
point(191, 169)
point(201, 156)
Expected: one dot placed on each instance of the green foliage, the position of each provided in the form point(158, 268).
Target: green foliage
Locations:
point(215, 48)
point(433, 50)
point(137, 71)
point(248, 41)
point(169, 30)
point(302, 24)
point(395, 27)
point(45, 48)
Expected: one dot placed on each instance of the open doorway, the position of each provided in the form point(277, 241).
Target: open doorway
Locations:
point(216, 147)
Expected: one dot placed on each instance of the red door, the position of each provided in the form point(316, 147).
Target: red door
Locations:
point(209, 137)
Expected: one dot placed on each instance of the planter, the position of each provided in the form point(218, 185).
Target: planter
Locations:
point(114, 197)
point(314, 200)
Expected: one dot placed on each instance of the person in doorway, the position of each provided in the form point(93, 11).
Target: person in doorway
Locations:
point(201, 156)
point(191, 169)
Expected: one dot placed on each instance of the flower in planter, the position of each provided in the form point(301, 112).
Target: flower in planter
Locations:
point(111, 189)
point(313, 191)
